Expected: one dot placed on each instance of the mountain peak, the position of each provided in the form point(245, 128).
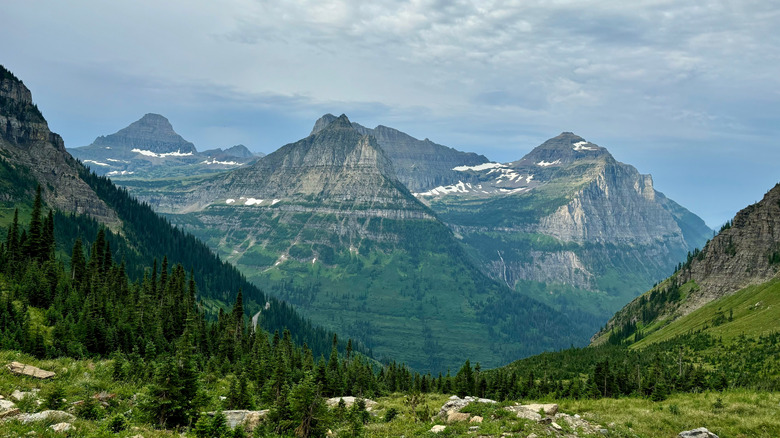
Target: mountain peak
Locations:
point(322, 123)
point(152, 132)
point(563, 149)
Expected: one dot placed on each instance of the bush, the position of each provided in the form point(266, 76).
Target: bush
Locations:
point(89, 409)
point(390, 414)
point(53, 397)
point(117, 423)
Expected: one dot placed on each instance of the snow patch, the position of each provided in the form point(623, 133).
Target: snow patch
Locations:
point(229, 201)
point(114, 160)
point(581, 146)
point(275, 201)
point(224, 163)
point(517, 190)
point(146, 153)
point(545, 163)
point(252, 201)
point(120, 172)
point(97, 163)
point(460, 187)
point(528, 179)
point(483, 166)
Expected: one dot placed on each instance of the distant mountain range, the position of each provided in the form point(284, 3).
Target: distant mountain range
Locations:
point(32, 155)
point(364, 229)
point(150, 148)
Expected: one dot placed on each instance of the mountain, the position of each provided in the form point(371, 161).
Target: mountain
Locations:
point(31, 155)
point(420, 164)
point(150, 148)
point(568, 224)
point(729, 286)
point(326, 224)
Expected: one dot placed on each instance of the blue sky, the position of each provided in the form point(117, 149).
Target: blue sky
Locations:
point(686, 91)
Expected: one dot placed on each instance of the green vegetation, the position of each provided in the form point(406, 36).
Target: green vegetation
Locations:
point(404, 288)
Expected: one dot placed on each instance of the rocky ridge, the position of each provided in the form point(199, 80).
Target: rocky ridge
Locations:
point(419, 164)
point(568, 213)
point(27, 144)
point(746, 252)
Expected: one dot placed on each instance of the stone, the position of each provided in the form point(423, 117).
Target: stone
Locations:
point(549, 409)
point(61, 427)
point(473, 428)
point(701, 432)
point(475, 419)
point(556, 426)
point(248, 419)
point(46, 416)
point(29, 370)
point(533, 435)
point(458, 416)
point(455, 404)
point(438, 428)
point(526, 414)
point(8, 409)
point(349, 401)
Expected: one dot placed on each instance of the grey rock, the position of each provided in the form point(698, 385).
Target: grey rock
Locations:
point(49, 415)
point(438, 428)
point(248, 419)
point(701, 432)
point(61, 427)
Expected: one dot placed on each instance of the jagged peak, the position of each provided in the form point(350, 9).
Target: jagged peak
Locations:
point(322, 123)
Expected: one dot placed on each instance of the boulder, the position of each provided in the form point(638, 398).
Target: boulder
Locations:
point(458, 416)
point(8, 409)
point(349, 401)
point(527, 414)
point(61, 427)
point(455, 404)
point(46, 416)
point(438, 428)
point(476, 419)
point(701, 432)
point(549, 409)
point(248, 419)
point(29, 370)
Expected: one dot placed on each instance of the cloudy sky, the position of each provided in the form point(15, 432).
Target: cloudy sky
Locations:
point(688, 91)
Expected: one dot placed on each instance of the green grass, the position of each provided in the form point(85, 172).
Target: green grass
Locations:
point(755, 311)
point(744, 414)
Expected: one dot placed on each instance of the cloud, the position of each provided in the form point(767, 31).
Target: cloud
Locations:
point(485, 75)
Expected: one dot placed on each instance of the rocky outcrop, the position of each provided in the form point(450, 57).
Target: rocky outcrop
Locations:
point(746, 252)
point(701, 432)
point(349, 401)
point(249, 420)
point(455, 404)
point(29, 370)
point(419, 164)
point(28, 147)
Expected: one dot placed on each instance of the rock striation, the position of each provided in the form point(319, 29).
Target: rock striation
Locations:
point(745, 252)
point(28, 147)
point(568, 214)
point(419, 164)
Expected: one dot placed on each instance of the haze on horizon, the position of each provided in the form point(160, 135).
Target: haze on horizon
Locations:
point(686, 92)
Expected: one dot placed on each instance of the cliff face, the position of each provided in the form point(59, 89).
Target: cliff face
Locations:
point(27, 144)
point(568, 214)
point(419, 164)
point(325, 224)
point(746, 252)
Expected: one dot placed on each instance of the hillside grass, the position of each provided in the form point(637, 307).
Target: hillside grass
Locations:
point(728, 414)
point(753, 311)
